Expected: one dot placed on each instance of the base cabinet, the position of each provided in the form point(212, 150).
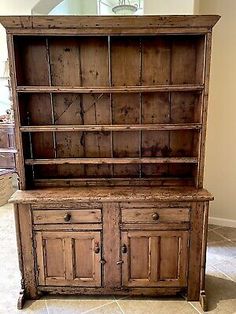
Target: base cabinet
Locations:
point(134, 248)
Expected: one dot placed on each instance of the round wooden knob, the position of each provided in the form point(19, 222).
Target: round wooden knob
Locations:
point(155, 216)
point(124, 249)
point(97, 248)
point(67, 217)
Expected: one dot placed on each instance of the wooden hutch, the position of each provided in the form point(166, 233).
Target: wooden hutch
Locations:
point(110, 131)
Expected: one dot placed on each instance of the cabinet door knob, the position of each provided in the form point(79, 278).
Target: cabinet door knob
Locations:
point(124, 248)
point(97, 248)
point(155, 216)
point(102, 261)
point(67, 217)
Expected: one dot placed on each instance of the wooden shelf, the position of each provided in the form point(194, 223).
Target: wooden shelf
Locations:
point(114, 181)
point(7, 150)
point(120, 127)
point(144, 160)
point(106, 194)
point(117, 89)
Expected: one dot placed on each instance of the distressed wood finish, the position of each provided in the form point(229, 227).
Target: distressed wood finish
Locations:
point(155, 258)
point(61, 262)
point(65, 216)
point(111, 245)
point(195, 257)
point(26, 250)
point(158, 215)
point(63, 22)
point(7, 147)
point(110, 117)
point(106, 194)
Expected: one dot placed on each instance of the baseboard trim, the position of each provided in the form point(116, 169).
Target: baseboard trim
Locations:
point(222, 222)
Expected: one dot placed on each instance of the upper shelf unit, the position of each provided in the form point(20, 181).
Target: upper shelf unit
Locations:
point(107, 64)
point(107, 100)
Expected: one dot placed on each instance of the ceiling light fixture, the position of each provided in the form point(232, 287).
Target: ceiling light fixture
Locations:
point(125, 8)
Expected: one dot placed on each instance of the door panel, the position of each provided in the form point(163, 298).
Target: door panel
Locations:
point(154, 258)
point(69, 258)
point(54, 257)
point(139, 251)
point(169, 261)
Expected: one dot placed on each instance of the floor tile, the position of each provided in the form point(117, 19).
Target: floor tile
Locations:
point(75, 306)
point(220, 252)
point(112, 308)
point(214, 237)
point(211, 226)
point(220, 292)
point(156, 306)
point(36, 307)
point(228, 268)
point(229, 233)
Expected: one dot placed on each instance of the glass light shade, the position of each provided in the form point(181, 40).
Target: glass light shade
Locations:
point(124, 9)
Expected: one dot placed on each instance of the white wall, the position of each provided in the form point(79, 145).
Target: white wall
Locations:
point(88, 7)
point(19, 7)
point(220, 171)
point(165, 7)
point(9, 8)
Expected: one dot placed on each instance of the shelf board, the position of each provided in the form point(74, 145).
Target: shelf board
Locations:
point(8, 150)
point(115, 89)
point(114, 181)
point(103, 128)
point(4, 171)
point(144, 160)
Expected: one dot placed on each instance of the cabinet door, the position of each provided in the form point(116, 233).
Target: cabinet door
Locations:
point(68, 258)
point(154, 258)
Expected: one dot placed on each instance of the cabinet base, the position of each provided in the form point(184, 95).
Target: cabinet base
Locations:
point(21, 299)
point(152, 292)
point(203, 300)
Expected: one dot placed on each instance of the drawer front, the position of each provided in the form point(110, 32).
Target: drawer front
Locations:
point(66, 216)
point(155, 215)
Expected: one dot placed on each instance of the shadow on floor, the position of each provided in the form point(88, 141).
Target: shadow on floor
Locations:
point(218, 289)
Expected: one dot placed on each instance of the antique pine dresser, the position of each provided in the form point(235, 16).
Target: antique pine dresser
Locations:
point(110, 131)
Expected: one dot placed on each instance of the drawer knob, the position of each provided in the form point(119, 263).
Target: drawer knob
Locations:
point(155, 216)
point(97, 248)
point(67, 217)
point(102, 261)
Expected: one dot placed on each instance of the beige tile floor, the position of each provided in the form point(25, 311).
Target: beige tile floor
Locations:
point(220, 282)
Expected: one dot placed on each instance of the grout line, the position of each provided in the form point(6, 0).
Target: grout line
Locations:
point(194, 308)
point(222, 236)
point(220, 271)
point(216, 227)
point(120, 307)
point(122, 298)
point(46, 306)
point(98, 307)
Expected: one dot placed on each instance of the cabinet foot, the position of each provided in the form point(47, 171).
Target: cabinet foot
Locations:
point(21, 299)
point(203, 300)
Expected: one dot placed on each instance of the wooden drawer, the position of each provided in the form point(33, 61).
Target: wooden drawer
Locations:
point(155, 215)
point(65, 216)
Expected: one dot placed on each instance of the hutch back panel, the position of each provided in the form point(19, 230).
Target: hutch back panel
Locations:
point(110, 127)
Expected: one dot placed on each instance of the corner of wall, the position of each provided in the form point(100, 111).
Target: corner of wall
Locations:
point(196, 7)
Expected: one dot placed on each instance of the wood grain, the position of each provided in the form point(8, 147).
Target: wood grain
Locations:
point(111, 245)
point(58, 216)
point(106, 194)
